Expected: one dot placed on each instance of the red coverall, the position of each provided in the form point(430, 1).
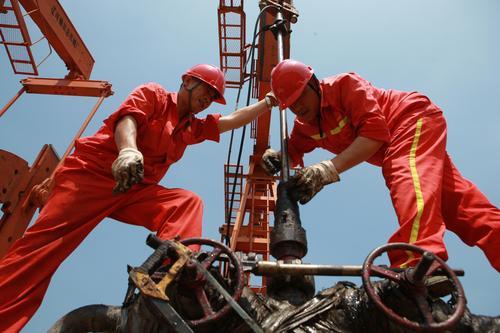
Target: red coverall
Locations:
point(427, 191)
point(82, 197)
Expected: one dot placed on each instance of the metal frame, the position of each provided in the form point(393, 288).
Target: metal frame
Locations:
point(24, 185)
point(258, 199)
point(26, 41)
point(17, 181)
point(56, 26)
point(231, 33)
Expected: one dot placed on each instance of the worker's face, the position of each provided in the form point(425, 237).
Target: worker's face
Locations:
point(306, 107)
point(202, 95)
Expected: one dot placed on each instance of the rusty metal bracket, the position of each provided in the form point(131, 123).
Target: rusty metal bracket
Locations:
point(16, 182)
point(195, 276)
point(147, 286)
point(194, 282)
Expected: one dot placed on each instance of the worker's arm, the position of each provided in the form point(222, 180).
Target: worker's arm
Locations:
point(246, 114)
point(360, 150)
point(310, 180)
point(128, 168)
point(126, 133)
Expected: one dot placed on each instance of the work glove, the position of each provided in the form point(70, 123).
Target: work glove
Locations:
point(310, 180)
point(128, 169)
point(271, 100)
point(271, 161)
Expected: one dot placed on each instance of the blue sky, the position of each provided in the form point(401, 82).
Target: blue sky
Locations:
point(447, 49)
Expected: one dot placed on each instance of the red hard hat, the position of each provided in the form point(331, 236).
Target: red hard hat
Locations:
point(288, 80)
point(212, 76)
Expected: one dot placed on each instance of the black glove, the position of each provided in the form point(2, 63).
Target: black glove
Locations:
point(271, 161)
point(310, 180)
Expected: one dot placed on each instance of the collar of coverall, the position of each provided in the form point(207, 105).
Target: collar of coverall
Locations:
point(319, 92)
point(323, 102)
point(185, 121)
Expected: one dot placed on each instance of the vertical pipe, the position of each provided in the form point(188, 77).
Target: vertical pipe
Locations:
point(9, 104)
point(288, 238)
point(279, 37)
point(285, 167)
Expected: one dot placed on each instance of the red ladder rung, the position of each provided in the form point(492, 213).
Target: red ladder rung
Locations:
point(15, 10)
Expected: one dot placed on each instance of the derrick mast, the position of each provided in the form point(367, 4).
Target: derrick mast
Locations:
point(250, 198)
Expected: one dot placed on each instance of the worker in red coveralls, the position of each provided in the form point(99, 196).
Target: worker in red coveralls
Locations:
point(402, 132)
point(115, 173)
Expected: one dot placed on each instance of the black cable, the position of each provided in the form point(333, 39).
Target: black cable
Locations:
point(250, 56)
point(238, 100)
point(266, 27)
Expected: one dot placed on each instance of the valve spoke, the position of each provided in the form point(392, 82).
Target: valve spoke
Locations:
point(385, 273)
point(195, 283)
point(414, 281)
point(434, 267)
point(425, 309)
point(204, 302)
point(211, 258)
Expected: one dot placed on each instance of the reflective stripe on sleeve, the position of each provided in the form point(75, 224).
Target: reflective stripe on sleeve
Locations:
point(334, 131)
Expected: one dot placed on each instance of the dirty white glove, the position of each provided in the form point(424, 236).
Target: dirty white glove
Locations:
point(310, 180)
point(271, 161)
point(128, 169)
point(271, 100)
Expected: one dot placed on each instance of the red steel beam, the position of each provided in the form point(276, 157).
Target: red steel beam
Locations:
point(56, 26)
point(67, 87)
point(12, 101)
point(83, 127)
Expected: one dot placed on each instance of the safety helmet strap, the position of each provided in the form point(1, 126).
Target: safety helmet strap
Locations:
point(190, 92)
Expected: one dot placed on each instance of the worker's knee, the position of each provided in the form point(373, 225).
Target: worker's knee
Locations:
point(191, 199)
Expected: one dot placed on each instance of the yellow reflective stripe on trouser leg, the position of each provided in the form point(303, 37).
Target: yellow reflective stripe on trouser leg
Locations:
point(418, 190)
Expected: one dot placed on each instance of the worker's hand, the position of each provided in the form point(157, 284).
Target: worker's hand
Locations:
point(128, 169)
point(271, 100)
point(310, 180)
point(40, 193)
point(271, 161)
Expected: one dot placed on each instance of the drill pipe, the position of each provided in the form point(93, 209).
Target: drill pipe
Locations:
point(275, 268)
